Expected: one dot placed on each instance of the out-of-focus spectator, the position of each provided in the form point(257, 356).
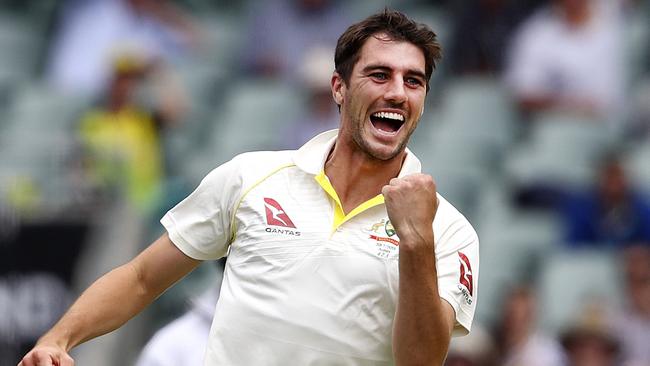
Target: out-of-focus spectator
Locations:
point(183, 341)
point(92, 33)
point(282, 32)
point(482, 31)
point(321, 113)
point(590, 341)
point(121, 137)
point(475, 349)
point(520, 341)
point(569, 56)
point(611, 214)
point(633, 324)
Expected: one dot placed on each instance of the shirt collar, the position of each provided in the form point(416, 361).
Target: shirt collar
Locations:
point(312, 155)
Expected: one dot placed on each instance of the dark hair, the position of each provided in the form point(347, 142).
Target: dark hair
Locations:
point(397, 27)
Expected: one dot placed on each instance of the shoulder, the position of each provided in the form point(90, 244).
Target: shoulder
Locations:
point(262, 161)
point(248, 168)
point(540, 24)
point(542, 19)
point(253, 167)
point(449, 221)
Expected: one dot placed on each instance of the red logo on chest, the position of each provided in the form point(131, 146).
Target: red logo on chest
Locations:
point(275, 214)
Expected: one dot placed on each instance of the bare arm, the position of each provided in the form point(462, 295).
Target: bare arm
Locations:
point(424, 321)
point(112, 300)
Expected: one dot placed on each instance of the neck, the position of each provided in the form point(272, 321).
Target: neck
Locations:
point(577, 17)
point(357, 177)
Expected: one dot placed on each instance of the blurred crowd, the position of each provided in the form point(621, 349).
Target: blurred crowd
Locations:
point(537, 127)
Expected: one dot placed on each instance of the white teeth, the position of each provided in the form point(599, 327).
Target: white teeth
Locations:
point(389, 115)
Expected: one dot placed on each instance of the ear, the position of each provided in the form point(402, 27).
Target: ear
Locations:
point(338, 88)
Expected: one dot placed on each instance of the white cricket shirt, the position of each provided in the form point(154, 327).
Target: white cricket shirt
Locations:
point(305, 284)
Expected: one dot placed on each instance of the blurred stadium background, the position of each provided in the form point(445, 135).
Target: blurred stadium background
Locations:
point(206, 79)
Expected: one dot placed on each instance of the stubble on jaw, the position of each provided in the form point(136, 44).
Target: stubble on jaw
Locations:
point(356, 130)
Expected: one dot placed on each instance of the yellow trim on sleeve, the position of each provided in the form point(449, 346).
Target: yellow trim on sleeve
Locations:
point(339, 215)
point(233, 228)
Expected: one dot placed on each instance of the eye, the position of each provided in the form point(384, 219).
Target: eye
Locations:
point(379, 76)
point(414, 81)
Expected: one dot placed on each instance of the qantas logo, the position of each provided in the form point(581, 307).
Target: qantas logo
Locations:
point(275, 214)
point(466, 274)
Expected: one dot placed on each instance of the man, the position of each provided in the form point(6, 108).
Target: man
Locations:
point(550, 62)
point(334, 257)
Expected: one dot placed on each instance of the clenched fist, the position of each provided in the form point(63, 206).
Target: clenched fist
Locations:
point(47, 356)
point(411, 203)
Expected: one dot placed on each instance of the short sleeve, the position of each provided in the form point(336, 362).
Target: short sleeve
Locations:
point(200, 225)
point(457, 263)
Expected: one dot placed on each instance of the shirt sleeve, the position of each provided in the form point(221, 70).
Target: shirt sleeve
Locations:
point(457, 263)
point(200, 225)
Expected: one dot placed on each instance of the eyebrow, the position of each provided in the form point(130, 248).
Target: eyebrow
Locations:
point(381, 67)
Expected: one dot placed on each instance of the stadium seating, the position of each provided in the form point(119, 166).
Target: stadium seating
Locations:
point(637, 37)
point(513, 246)
point(475, 123)
point(254, 116)
point(562, 150)
point(37, 142)
point(572, 279)
point(471, 140)
point(20, 44)
point(638, 164)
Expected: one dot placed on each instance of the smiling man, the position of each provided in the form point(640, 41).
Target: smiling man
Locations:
point(339, 253)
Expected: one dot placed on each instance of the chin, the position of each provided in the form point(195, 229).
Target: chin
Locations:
point(384, 153)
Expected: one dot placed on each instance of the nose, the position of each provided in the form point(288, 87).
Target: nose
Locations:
point(395, 91)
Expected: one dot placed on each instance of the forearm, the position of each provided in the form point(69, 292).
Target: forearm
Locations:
point(103, 307)
point(120, 294)
point(422, 328)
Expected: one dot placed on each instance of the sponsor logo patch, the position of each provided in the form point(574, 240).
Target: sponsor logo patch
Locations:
point(466, 279)
point(276, 216)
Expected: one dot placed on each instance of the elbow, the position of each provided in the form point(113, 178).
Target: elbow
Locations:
point(434, 355)
point(422, 361)
point(140, 285)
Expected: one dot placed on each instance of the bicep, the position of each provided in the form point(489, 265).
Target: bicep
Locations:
point(162, 264)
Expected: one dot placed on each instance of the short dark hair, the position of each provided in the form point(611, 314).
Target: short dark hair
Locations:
point(398, 27)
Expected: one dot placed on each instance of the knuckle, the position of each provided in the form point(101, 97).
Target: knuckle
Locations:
point(427, 178)
point(429, 181)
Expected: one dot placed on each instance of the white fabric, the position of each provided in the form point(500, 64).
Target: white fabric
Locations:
point(183, 341)
point(538, 350)
point(307, 295)
point(549, 58)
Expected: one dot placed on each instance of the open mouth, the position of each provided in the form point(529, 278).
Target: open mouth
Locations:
point(389, 122)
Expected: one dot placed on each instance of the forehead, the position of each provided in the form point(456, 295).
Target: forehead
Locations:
point(398, 55)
